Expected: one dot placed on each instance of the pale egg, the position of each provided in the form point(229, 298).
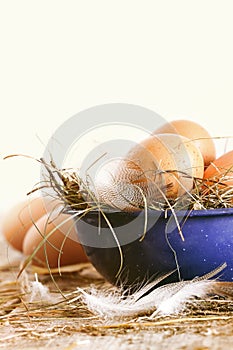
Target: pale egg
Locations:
point(195, 132)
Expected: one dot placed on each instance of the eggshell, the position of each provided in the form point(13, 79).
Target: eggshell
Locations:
point(18, 219)
point(221, 167)
point(169, 152)
point(164, 163)
point(56, 241)
point(195, 132)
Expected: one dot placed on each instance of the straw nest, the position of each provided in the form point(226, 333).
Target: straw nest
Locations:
point(77, 193)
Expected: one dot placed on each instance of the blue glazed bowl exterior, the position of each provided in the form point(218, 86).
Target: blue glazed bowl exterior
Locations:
point(207, 243)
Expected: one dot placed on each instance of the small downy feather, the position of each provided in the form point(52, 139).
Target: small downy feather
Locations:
point(38, 291)
point(166, 300)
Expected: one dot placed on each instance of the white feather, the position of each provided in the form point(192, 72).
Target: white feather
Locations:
point(165, 300)
point(38, 291)
point(177, 302)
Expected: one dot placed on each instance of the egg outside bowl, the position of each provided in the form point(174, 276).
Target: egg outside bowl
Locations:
point(207, 244)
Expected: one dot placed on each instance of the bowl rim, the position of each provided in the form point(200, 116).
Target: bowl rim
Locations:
point(166, 213)
point(204, 212)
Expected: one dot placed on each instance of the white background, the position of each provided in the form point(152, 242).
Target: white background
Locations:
point(60, 57)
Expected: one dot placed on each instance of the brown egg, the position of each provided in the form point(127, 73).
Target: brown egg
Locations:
point(221, 169)
point(195, 132)
point(160, 166)
point(17, 220)
point(56, 241)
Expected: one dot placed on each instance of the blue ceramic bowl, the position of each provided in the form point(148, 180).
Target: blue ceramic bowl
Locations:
point(207, 243)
